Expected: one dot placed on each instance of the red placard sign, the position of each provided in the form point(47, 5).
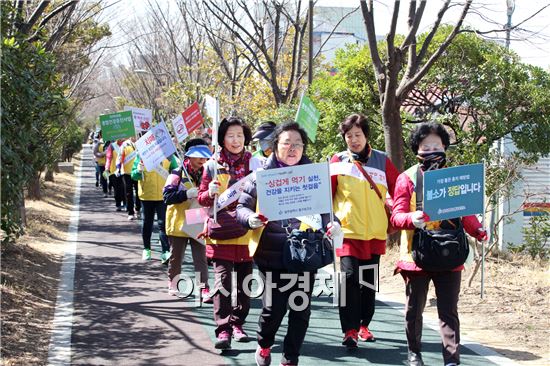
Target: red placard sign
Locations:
point(192, 117)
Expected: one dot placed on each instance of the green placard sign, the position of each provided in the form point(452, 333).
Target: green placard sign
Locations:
point(116, 126)
point(308, 117)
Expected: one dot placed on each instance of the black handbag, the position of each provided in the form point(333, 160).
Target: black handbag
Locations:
point(307, 251)
point(442, 249)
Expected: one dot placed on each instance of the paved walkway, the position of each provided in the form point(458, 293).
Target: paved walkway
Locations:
point(123, 315)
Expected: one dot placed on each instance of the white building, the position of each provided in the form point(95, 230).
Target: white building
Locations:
point(350, 30)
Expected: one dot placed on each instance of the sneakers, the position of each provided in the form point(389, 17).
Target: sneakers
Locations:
point(131, 217)
point(172, 289)
point(205, 296)
point(350, 339)
point(104, 195)
point(414, 359)
point(223, 341)
point(239, 334)
point(165, 257)
point(365, 335)
point(146, 255)
point(263, 356)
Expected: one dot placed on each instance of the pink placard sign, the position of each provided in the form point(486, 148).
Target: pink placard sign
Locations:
point(196, 215)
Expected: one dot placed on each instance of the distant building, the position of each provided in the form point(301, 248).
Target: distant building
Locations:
point(530, 197)
point(350, 30)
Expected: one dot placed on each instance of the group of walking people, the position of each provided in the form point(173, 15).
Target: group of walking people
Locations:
point(242, 237)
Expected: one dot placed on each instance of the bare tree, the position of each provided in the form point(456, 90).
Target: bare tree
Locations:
point(230, 55)
point(273, 35)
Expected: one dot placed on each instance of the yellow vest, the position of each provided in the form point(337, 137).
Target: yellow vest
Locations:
point(405, 244)
point(175, 216)
point(151, 184)
point(114, 157)
point(101, 148)
point(360, 210)
point(128, 163)
point(224, 178)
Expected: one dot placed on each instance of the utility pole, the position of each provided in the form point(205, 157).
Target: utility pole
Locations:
point(510, 7)
point(310, 53)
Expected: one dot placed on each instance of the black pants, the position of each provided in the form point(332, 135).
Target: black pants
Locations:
point(118, 186)
point(274, 310)
point(225, 314)
point(102, 179)
point(149, 209)
point(447, 290)
point(360, 300)
point(130, 186)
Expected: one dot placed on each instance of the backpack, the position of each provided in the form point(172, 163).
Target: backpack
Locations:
point(442, 249)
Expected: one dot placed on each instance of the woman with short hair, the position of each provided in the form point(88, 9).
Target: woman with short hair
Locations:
point(289, 144)
point(428, 141)
point(229, 253)
point(359, 199)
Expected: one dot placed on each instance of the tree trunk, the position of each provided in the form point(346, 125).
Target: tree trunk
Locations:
point(48, 177)
point(22, 211)
point(393, 130)
point(33, 187)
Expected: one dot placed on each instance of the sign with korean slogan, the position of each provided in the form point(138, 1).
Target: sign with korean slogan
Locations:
point(143, 118)
point(454, 192)
point(308, 117)
point(155, 146)
point(116, 126)
point(293, 191)
point(192, 117)
point(179, 128)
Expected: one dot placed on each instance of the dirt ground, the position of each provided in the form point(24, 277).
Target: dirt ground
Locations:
point(30, 275)
point(513, 318)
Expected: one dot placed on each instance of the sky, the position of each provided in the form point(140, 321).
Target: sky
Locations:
point(533, 46)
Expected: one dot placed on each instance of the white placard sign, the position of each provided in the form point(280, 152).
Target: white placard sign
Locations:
point(143, 118)
point(155, 146)
point(179, 128)
point(293, 191)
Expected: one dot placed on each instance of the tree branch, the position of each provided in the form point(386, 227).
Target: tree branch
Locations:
point(408, 84)
point(368, 18)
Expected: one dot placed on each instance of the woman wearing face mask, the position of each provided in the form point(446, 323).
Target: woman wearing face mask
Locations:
point(364, 223)
point(228, 255)
point(429, 141)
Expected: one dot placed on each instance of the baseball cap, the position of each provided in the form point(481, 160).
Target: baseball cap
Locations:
point(264, 130)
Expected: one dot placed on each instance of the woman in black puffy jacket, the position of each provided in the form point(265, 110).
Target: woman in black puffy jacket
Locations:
point(289, 144)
